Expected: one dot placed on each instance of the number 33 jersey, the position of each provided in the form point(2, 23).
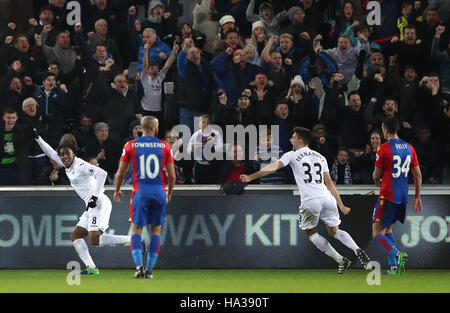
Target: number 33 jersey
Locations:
point(395, 157)
point(308, 167)
point(148, 156)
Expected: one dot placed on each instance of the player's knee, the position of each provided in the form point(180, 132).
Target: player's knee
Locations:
point(309, 233)
point(376, 232)
point(332, 232)
point(94, 239)
point(75, 235)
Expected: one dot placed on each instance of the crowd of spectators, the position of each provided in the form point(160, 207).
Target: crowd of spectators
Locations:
point(311, 63)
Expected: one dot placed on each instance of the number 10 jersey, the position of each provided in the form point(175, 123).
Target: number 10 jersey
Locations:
point(148, 156)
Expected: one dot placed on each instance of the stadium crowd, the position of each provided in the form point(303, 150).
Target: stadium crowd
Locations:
point(311, 63)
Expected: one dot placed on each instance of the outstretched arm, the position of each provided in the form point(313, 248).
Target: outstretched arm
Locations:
point(48, 150)
point(266, 170)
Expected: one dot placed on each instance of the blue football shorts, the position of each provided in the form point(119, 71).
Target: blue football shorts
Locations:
point(387, 212)
point(148, 208)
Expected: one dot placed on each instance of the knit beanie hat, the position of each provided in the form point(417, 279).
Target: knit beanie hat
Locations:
point(298, 80)
point(99, 125)
point(292, 11)
point(258, 24)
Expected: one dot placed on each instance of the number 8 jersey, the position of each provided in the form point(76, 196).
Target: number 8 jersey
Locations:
point(148, 156)
point(395, 157)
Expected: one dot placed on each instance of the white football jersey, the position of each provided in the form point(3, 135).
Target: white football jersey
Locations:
point(87, 179)
point(82, 176)
point(308, 167)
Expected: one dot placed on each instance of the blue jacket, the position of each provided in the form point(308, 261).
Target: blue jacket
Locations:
point(232, 77)
point(153, 54)
point(330, 68)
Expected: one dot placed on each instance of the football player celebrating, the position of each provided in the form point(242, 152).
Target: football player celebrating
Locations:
point(88, 181)
point(319, 197)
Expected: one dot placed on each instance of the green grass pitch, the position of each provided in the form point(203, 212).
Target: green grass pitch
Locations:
point(224, 281)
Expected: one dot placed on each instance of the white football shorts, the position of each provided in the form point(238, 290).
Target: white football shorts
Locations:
point(97, 218)
point(313, 210)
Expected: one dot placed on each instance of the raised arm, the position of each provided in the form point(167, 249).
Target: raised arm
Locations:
point(48, 150)
point(171, 59)
point(145, 59)
point(251, 16)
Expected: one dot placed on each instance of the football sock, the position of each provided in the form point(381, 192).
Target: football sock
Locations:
point(107, 240)
point(392, 260)
point(346, 239)
point(83, 252)
point(390, 236)
point(323, 245)
point(153, 252)
point(136, 249)
point(387, 245)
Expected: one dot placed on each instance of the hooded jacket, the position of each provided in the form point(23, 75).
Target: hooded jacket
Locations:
point(272, 25)
point(165, 28)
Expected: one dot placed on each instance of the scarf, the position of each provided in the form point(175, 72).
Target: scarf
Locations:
point(347, 173)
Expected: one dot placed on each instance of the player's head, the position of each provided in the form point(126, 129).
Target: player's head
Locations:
point(66, 151)
point(390, 126)
point(300, 138)
point(150, 125)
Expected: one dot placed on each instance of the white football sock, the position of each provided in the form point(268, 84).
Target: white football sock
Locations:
point(346, 239)
point(323, 245)
point(107, 240)
point(83, 252)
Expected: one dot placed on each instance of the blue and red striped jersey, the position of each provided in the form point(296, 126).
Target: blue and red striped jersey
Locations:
point(395, 157)
point(148, 155)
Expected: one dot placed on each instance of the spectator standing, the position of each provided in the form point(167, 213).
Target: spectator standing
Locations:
point(195, 84)
point(53, 103)
point(266, 14)
point(231, 68)
point(205, 168)
point(430, 155)
point(105, 150)
point(341, 170)
point(353, 126)
point(204, 23)
point(37, 160)
point(159, 51)
point(266, 153)
point(84, 132)
point(366, 160)
point(152, 82)
point(101, 37)
point(122, 107)
point(324, 143)
point(15, 143)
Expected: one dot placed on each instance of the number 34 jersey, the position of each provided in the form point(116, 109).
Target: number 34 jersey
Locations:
point(308, 167)
point(395, 157)
point(148, 156)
